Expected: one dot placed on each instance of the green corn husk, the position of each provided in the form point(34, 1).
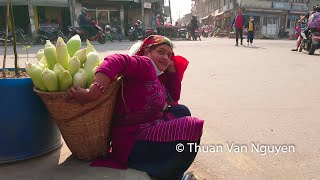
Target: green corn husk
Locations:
point(65, 81)
point(42, 66)
point(40, 54)
point(74, 44)
point(51, 54)
point(62, 53)
point(50, 80)
point(58, 69)
point(90, 47)
point(80, 79)
point(90, 76)
point(44, 61)
point(91, 62)
point(81, 55)
point(35, 72)
point(74, 66)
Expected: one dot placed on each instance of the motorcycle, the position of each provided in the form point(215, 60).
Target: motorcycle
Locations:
point(108, 30)
point(205, 31)
point(49, 32)
point(196, 34)
point(117, 33)
point(182, 33)
point(306, 41)
point(96, 35)
point(20, 37)
point(113, 33)
point(135, 32)
point(315, 36)
point(150, 31)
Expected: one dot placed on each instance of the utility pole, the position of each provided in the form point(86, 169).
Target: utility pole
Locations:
point(170, 11)
point(142, 13)
point(179, 17)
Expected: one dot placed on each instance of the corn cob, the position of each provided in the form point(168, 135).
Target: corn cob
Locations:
point(50, 80)
point(80, 79)
point(62, 53)
point(35, 72)
point(51, 54)
point(65, 80)
point(74, 65)
point(74, 44)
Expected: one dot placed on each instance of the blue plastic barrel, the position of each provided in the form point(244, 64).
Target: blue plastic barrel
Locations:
point(25, 128)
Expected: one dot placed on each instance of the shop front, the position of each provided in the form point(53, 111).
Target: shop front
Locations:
point(270, 26)
point(207, 20)
point(227, 19)
point(55, 13)
point(218, 20)
point(267, 23)
point(29, 15)
point(292, 22)
point(121, 12)
point(20, 14)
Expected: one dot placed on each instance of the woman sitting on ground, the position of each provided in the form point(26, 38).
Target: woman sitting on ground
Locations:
point(148, 125)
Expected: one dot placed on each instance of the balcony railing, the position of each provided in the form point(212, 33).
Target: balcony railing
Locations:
point(281, 5)
point(256, 4)
point(299, 7)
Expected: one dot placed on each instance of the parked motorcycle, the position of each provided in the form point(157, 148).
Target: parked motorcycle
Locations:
point(49, 32)
point(20, 37)
point(108, 31)
point(150, 31)
point(135, 33)
point(205, 31)
point(117, 33)
point(113, 33)
point(95, 35)
point(182, 33)
point(315, 36)
point(306, 42)
point(196, 34)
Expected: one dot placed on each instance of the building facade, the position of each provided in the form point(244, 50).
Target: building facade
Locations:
point(271, 16)
point(31, 14)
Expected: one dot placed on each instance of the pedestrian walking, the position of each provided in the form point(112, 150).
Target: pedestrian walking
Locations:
point(250, 28)
point(238, 23)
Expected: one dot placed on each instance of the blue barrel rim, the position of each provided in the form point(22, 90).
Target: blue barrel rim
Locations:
point(25, 157)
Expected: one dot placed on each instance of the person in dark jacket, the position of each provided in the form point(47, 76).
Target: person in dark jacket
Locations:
point(83, 19)
point(84, 22)
point(238, 23)
point(194, 25)
point(250, 28)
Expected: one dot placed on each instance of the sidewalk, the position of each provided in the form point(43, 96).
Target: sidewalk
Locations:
point(61, 165)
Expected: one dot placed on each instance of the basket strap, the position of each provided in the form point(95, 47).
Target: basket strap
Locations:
point(90, 109)
point(124, 102)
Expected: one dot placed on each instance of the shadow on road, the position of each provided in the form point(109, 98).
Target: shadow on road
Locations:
point(253, 47)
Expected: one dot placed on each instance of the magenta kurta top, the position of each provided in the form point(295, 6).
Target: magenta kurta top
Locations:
point(139, 109)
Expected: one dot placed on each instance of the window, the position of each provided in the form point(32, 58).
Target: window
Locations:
point(270, 25)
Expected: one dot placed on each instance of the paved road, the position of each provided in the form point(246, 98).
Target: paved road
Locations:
point(265, 95)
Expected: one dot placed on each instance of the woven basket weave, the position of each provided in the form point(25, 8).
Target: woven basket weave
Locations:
point(85, 128)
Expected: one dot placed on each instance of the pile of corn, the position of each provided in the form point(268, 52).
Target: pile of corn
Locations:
point(64, 65)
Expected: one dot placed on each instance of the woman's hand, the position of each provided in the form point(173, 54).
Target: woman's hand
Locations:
point(171, 67)
point(79, 94)
point(93, 93)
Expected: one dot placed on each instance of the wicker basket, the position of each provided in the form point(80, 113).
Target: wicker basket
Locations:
point(85, 128)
